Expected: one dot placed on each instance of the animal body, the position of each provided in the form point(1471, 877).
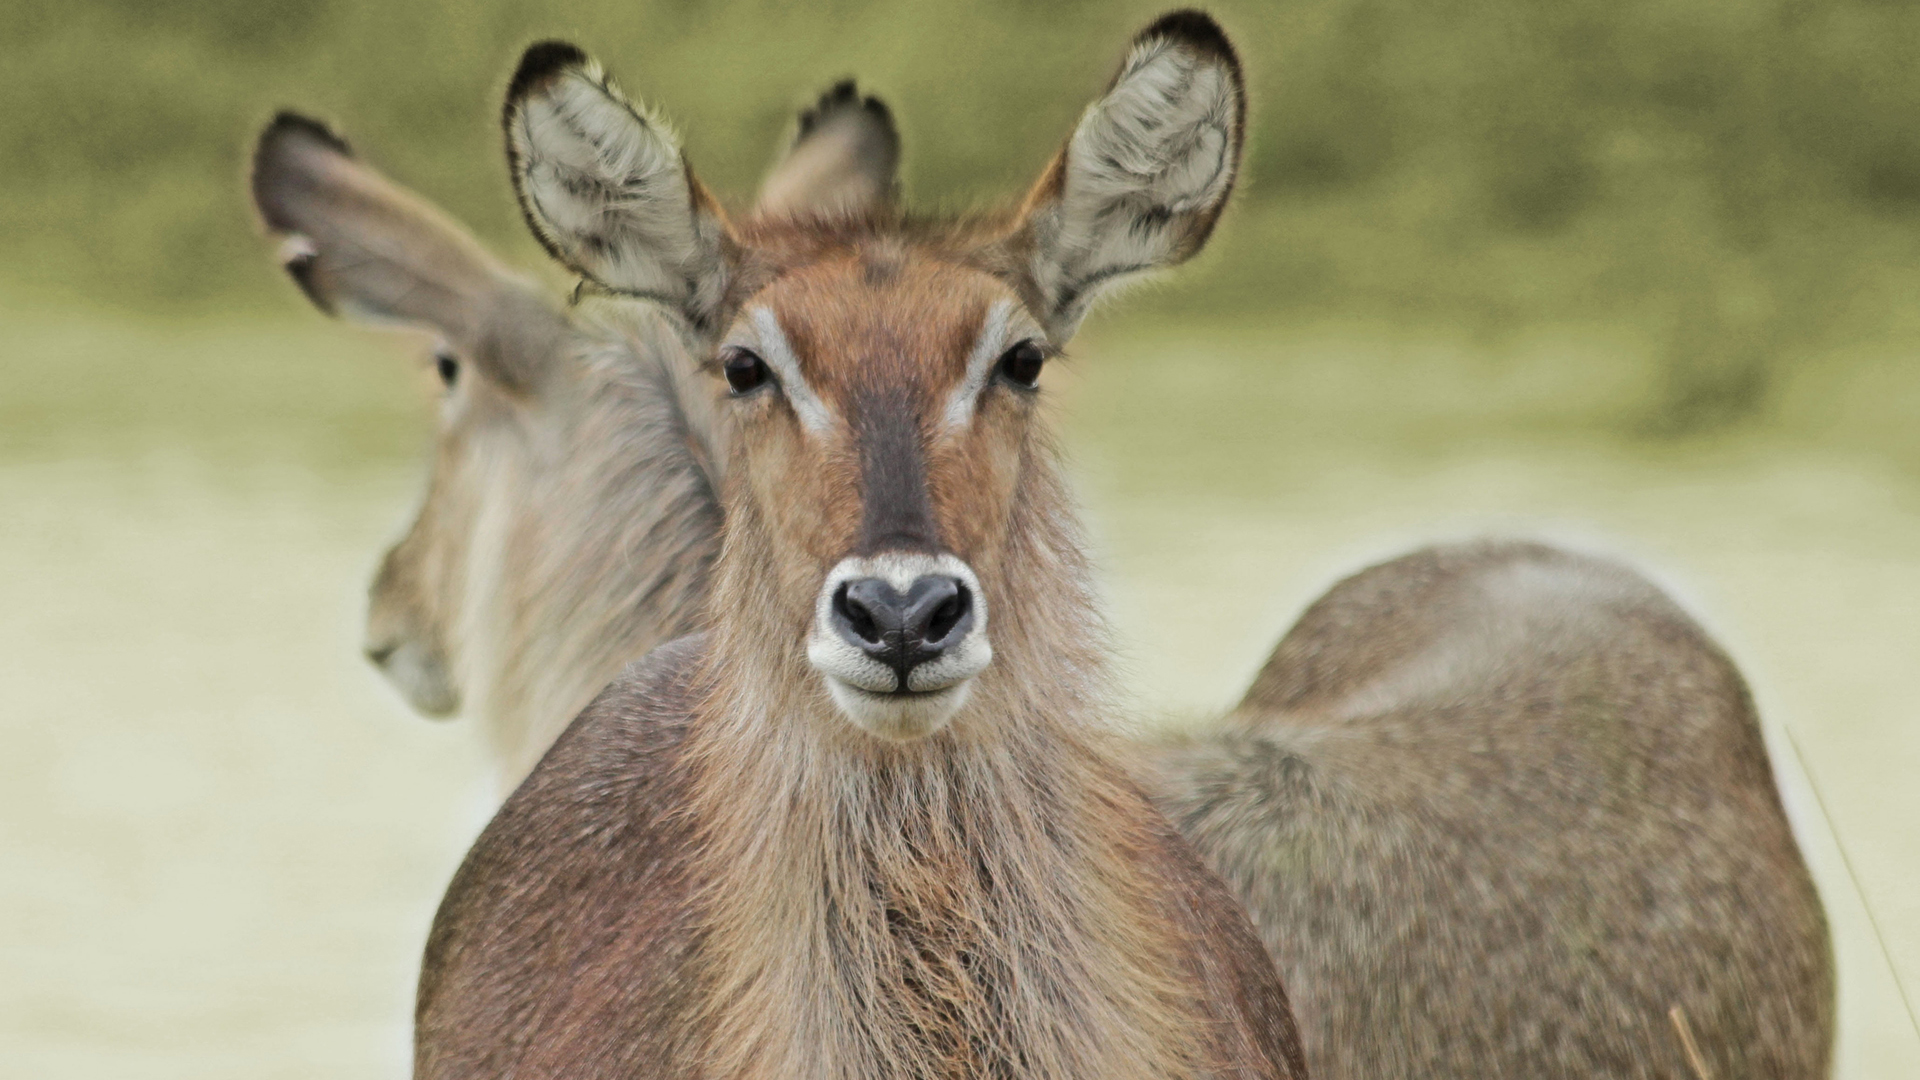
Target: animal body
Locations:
point(1504, 810)
point(1497, 810)
point(868, 824)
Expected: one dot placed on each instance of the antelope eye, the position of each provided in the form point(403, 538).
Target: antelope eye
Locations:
point(1020, 365)
point(448, 366)
point(745, 372)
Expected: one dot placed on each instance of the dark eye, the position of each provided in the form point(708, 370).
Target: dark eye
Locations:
point(448, 366)
point(1020, 365)
point(745, 372)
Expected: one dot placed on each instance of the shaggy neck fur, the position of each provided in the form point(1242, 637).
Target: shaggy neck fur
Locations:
point(602, 560)
point(969, 904)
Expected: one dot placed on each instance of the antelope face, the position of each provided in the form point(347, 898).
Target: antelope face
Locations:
point(409, 603)
point(880, 371)
point(441, 587)
point(362, 247)
point(882, 398)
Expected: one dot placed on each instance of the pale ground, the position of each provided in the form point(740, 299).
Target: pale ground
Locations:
point(221, 838)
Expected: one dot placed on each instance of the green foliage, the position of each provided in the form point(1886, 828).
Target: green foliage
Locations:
point(1719, 170)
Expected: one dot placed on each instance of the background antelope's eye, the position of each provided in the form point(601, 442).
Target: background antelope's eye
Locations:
point(1020, 365)
point(448, 366)
point(745, 372)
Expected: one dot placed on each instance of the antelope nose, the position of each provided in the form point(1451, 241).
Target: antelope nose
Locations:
point(903, 630)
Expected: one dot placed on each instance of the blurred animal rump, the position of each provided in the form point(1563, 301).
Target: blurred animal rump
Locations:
point(1501, 809)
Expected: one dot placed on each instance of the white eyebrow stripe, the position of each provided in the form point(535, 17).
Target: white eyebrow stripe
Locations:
point(779, 356)
point(986, 350)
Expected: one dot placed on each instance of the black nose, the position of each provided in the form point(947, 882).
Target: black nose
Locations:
point(903, 631)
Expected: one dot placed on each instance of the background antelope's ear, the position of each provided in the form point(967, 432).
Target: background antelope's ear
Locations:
point(603, 185)
point(1145, 175)
point(845, 158)
point(367, 249)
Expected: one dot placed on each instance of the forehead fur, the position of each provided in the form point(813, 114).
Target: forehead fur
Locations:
point(881, 308)
point(879, 245)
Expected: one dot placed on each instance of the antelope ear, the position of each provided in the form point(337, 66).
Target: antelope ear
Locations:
point(1146, 173)
point(845, 159)
point(365, 248)
point(603, 185)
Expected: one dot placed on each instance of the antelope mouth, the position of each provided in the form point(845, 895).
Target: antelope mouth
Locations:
point(899, 714)
point(898, 639)
point(418, 673)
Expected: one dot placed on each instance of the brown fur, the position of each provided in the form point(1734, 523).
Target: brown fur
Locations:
point(1339, 838)
point(1498, 809)
point(716, 873)
point(587, 966)
point(994, 900)
point(596, 959)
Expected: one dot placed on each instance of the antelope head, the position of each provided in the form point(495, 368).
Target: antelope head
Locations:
point(896, 529)
point(570, 515)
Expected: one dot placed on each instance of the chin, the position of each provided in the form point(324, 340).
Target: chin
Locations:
point(423, 682)
point(899, 716)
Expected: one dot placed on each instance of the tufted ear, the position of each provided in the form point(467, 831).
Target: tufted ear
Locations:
point(1146, 173)
point(363, 247)
point(603, 185)
point(845, 158)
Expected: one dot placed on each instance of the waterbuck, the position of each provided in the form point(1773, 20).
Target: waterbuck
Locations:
point(1516, 865)
point(571, 518)
point(867, 824)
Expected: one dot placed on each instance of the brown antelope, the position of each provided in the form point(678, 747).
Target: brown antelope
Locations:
point(1426, 921)
point(867, 824)
point(571, 519)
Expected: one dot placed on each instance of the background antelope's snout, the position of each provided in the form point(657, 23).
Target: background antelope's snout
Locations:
point(903, 630)
point(402, 641)
point(418, 672)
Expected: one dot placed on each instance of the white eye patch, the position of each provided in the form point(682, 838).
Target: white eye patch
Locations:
point(998, 333)
point(771, 345)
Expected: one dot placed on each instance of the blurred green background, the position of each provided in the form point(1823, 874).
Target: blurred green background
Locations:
point(1644, 277)
point(1739, 182)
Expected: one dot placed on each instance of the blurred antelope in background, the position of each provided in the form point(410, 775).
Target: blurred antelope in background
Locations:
point(571, 518)
point(868, 824)
point(1496, 809)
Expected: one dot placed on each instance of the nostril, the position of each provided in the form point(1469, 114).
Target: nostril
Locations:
point(938, 613)
point(858, 618)
point(380, 654)
point(948, 615)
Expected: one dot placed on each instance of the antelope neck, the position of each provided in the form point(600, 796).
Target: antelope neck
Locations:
point(958, 896)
